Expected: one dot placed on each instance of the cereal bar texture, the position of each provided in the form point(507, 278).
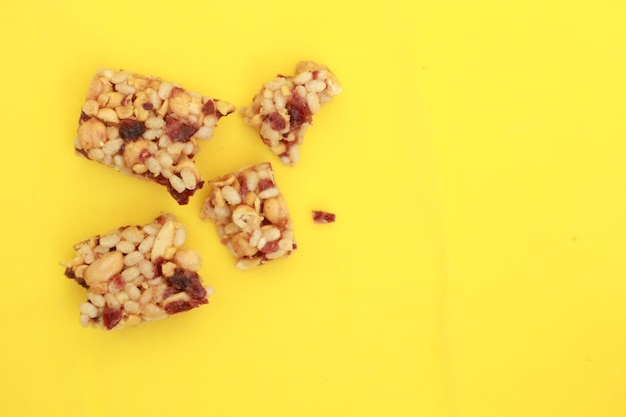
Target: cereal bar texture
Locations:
point(283, 109)
point(136, 274)
point(143, 126)
point(251, 215)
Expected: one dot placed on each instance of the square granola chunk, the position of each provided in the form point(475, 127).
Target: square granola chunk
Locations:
point(146, 127)
point(251, 215)
point(283, 109)
point(136, 274)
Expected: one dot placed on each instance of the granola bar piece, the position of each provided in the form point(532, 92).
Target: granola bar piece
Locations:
point(251, 215)
point(146, 127)
point(136, 274)
point(283, 109)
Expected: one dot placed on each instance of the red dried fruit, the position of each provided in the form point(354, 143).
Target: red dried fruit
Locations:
point(265, 183)
point(169, 291)
point(176, 91)
point(181, 305)
point(144, 154)
point(276, 121)
point(189, 282)
point(178, 307)
point(118, 281)
point(131, 129)
point(160, 220)
point(323, 216)
point(299, 112)
point(71, 275)
point(208, 108)
point(270, 247)
point(243, 190)
point(178, 131)
point(158, 263)
point(111, 317)
point(181, 198)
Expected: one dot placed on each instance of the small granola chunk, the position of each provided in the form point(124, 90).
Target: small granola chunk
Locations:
point(251, 215)
point(283, 109)
point(136, 274)
point(146, 127)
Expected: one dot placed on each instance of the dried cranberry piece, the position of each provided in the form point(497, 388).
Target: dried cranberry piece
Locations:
point(176, 91)
point(71, 275)
point(179, 280)
point(118, 281)
point(160, 220)
point(299, 112)
point(111, 317)
point(182, 305)
point(265, 183)
point(169, 291)
point(208, 108)
point(144, 154)
point(178, 307)
point(131, 129)
point(323, 217)
point(196, 291)
point(158, 263)
point(181, 198)
point(178, 131)
point(83, 117)
point(243, 191)
point(270, 247)
point(189, 282)
point(276, 121)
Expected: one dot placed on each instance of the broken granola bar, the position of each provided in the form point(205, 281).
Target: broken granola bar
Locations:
point(136, 274)
point(146, 127)
point(251, 215)
point(283, 109)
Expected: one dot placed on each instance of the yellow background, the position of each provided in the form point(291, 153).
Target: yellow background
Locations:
point(475, 161)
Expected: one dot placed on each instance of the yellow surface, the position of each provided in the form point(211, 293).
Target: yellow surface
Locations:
point(476, 165)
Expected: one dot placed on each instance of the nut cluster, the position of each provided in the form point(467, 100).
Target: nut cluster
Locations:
point(136, 274)
point(143, 126)
point(283, 109)
point(251, 215)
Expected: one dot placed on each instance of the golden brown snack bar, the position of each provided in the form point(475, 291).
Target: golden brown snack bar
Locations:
point(251, 215)
point(283, 109)
point(146, 127)
point(136, 274)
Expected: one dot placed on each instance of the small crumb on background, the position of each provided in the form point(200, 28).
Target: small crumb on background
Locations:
point(323, 217)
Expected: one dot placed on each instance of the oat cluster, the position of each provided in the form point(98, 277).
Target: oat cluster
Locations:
point(146, 127)
point(251, 216)
point(137, 273)
point(283, 109)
